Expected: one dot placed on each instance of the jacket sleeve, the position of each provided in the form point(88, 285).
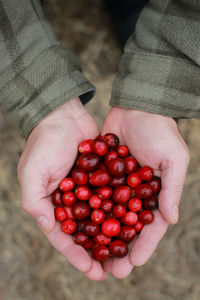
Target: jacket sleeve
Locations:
point(37, 74)
point(159, 71)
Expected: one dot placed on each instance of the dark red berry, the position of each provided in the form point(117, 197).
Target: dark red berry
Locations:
point(88, 244)
point(89, 162)
point(101, 239)
point(107, 205)
point(130, 218)
point(83, 193)
point(100, 178)
point(138, 227)
point(111, 227)
point(110, 156)
point(143, 191)
point(127, 233)
point(112, 140)
point(95, 201)
point(86, 147)
point(117, 167)
point(105, 192)
point(133, 180)
point(68, 226)
point(80, 225)
point(146, 173)
point(117, 181)
point(130, 164)
point(100, 253)
point(135, 204)
point(118, 248)
point(67, 184)
point(98, 216)
point(150, 203)
point(79, 176)
point(121, 194)
point(80, 238)
point(60, 214)
point(81, 210)
point(69, 212)
point(100, 147)
point(155, 184)
point(57, 197)
point(123, 151)
point(69, 198)
point(119, 211)
point(91, 228)
point(146, 216)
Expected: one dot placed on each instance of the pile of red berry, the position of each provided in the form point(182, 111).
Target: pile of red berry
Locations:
point(107, 198)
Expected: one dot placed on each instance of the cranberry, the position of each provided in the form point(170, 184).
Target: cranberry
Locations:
point(123, 151)
point(68, 226)
point(110, 156)
point(119, 211)
point(89, 162)
point(57, 198)
point(100, 253)
point(135, 204)
point(80, 225)
point(117, 181)
point(127, 233)
point(99, 137)
point(130, 164)
point(88, 244)
point(95, 201)
point(60, 214)
point(101, 239)
point(118, 248)
point(91, 228)
point(146, 216)
point(81, 210)
point(143, 191)
point(98, 216)
point(69, 198)
point(138, 170)
point(80, 238)
point(67, 184)
point(100, 147)
point(150, 203)
point(86, 147)
point(83, 193)
point(121, 194)
point(111, 227)
point(100, 178)
point(107, 205)
point(79, 176)
point(116, 167)
point(105, 192)
point(69, 212)
point(111, 140)
point(146, 173)
point(133, 180)
point(130, 218)
point(155, 184)
point(138, 227)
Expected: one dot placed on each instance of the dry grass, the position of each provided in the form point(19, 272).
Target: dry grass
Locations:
point(29, 267)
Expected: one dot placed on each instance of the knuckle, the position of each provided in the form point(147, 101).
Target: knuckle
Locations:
point(26, 207)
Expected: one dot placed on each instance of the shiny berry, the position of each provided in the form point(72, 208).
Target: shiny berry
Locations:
point(117, 167)
point(100, 253)
point(101, 239)
point(130, 218)
point(150, 203)
point(117, 181)
point(57, 198)
point(86, 147)
point(127, 233)
point(121, 194)
point(118, 248)
point(68, 226)
point(112, 140)
point(155, 184)
point(79, 176)
point(98, 216)
point(123, 151)
point(105, 192)
point(107, 205)
point(100, 178)
point(60, 214)
point(69, 198)
point(133, 180)
point(143, 191)
point(83, 193)
point(100, 147)
point(146, 216)
point(135, 204)
point(146, 173)
point(69, 212)
point(91, 228)
point(89, 162)
point(130, 164)
point(80, 238)
point(110, 156)
point(67, 184)
point(95, 201)
point(138, 227)
point(111, 227)
point(119, 211)
point(88, 244)
point(81, 210)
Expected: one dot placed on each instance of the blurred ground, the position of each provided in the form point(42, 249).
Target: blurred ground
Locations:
point(29, 267)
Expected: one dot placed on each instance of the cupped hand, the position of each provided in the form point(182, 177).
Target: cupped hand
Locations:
point(153, 140)
point(48, 156)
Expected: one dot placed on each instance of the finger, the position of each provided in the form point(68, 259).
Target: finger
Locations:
point(110, 125)
point(121, 267)
point(148, 240)
point(107, 264)
point(96, 272)
point(173, 177)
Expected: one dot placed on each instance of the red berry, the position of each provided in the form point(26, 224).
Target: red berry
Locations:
point(127, 233)
point(116, 167)
point(121, 194)
point(118, 248)
point(69, 198)
point(143, 191)
point(99, 137)
point(119, 211)
point(146, 173)
point(107, 205)
point(123, 151)
point(112, 140)
point(100, 147)
point(133, 180)
point(80, 238)
point(100, 253)
point(101, 239)
point(117, 181)
point(98, 216)
point(60, 214)
point(95, 201)
point(110, 156)
point(88, 244)
point(130, 164)
point(69, 212)
point(111, 227)
point(89, 162)
point(100, 178)
point(83, 193)
point(146, 216)
point(81, 210)
point(57, 197)
point(130, 218)
point(138, 227)
point(79, 176)
point(86, 147)
point(150, 203)
point(155, 184)
point(135, 204)
point(91, 228)
point(67, 184)
point(105, 192)
point(68, 226)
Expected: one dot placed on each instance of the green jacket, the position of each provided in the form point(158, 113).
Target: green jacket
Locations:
point(159, 70)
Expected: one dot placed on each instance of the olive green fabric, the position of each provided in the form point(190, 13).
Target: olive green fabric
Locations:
point(159, 71)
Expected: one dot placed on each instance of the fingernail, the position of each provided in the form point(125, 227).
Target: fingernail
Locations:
point(44, 223)
point(175, 214)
